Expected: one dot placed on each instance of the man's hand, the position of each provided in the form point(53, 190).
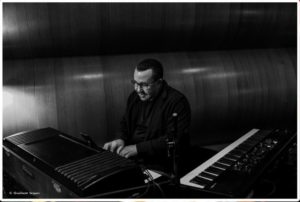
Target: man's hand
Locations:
point(115, 145)
point(128, 151)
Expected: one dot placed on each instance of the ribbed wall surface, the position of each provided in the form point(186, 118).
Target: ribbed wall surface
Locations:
point(77, 29)
point(226, 90)
point(68, 65)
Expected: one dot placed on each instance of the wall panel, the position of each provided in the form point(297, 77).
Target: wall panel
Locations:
point(32, 30)
point(227, 90)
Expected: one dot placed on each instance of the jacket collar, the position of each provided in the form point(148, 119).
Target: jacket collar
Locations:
point(164, 90)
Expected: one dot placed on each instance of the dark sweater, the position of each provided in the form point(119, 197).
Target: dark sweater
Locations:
point(147, 123)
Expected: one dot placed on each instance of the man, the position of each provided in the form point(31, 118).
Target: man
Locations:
point(148, 119)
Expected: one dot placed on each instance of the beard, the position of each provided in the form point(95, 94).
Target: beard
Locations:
point(144, 96)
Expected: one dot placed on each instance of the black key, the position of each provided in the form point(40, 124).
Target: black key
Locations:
point(229, 156)
point(252, 142)
point(236, 152)
point(201, 181)
point(262, 134)
point(245, 144)
point(214, 170)
point(256, 138)
point(220, 165)
point(244, 147)
point(226, 161)
point(207, 175)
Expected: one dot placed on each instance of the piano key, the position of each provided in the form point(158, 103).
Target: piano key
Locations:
point(206, 178)
point(262, 134)
point(251, 142)
point(221, 165)
point(253, 139)
point(225, 164)
point(214, 170)
point(208, 175)
point(256, 138)
point(236, 152)
point(231, 157)
point(201, 181)
point(226, 161)
point(245, 147)
point(209, 169)
point(218, 167)
point(236, 155)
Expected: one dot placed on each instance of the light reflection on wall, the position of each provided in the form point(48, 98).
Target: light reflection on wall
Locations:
point(7, 99)
point(18, 108)
point(194, 70)
point(28, 108)
point(9, 29)
point(91, 76)
point(209, 73)
point(12, 30)
point(222, 75)
point(252, 12)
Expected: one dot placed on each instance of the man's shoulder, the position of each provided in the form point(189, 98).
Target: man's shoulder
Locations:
point(174, 94)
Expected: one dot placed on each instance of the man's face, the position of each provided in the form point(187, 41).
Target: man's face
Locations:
point(144, 85)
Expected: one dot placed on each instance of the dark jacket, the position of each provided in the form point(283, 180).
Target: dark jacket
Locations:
point(153, 150)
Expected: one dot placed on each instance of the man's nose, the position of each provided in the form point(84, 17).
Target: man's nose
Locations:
point(138, 89)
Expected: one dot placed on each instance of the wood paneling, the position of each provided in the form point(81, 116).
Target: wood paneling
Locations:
point(32, 30)
point(226, 89)
point(81, 97)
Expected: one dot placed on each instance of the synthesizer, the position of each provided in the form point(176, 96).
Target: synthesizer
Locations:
point(51, 164)
point(233, 170)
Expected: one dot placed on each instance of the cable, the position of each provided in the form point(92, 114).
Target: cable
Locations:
point(160, 189)
point(273, 187)
point(156, 184)
point(142, 194)
point(145, 171)
point(150, 183)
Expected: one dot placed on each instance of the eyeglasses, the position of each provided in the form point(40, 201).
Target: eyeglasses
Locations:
point(143, 85)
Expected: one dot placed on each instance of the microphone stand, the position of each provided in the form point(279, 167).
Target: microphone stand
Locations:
point(171, 148)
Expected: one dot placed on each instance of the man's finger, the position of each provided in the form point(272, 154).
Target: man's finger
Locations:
point(119, 149)
point(123, 152)
point(106, 146)
point(112, 148)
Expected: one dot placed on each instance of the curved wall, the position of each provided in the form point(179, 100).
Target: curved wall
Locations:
point(68, 65)
point(32, 30)
point(227, 90)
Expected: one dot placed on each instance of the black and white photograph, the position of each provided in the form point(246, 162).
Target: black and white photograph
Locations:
point(149, 100)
